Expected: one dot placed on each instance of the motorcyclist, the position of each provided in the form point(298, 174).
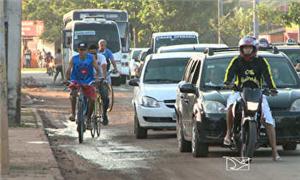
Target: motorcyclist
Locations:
point(248, 67)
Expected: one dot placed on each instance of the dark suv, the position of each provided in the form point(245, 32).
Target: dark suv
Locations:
point(293, 52)
point(201, 107)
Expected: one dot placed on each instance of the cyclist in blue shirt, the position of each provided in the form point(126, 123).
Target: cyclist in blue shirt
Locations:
point(81, 73)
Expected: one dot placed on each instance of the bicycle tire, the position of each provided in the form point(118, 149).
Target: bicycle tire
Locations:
point(80, 121)
point(100, 119)
point(111, 97)
point(95, 117)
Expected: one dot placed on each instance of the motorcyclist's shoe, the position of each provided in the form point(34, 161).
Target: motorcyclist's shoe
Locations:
point(227, 141)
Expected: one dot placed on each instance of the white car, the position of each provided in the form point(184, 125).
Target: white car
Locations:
point(134, 61)
point(155, 92)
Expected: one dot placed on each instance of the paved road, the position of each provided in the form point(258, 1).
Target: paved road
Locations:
point(118, 155)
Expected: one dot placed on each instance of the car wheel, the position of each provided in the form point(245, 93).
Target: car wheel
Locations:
point(140, 132)
point(289, 146)
point(183, 145)
point(199, 149)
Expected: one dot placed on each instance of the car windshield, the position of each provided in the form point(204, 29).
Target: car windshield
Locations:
point(283, 73)
point(92, 33)
point(293, 54)
point(174, 40)
point(164, 71)
point(135, 54)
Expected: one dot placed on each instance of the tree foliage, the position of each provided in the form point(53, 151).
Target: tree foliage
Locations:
point(149, 16)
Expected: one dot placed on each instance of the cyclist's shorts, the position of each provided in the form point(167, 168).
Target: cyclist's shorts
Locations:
point(88, 91)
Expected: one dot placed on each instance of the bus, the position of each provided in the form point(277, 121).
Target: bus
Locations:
point(90, 30)
point(120, 17)
point(161, 39)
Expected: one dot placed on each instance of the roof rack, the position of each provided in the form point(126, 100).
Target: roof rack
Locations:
point(211, 51)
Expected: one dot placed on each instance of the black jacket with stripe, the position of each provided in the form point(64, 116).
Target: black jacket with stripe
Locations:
point(249, 73)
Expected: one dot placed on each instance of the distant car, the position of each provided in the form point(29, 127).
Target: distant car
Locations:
point(155, 92)
point(173, 38)
point(189, 48)
point(293, 52)
point(134, 61)
point(201, 108)
point(140, 61)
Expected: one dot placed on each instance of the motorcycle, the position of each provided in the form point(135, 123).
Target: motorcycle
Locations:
point(247, 125)
point(50, 68)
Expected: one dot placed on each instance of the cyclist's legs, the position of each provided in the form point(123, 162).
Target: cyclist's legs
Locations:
point(90, 93)
point(91, 104)
point(73, 96)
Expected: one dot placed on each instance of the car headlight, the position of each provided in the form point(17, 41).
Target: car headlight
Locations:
point(149, 102)
point(295, 106)
point(213, 107)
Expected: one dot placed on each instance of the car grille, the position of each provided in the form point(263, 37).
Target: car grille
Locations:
point(158, 119)
point(170, 103)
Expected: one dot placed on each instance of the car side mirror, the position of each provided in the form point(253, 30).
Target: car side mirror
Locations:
point(134, 82)
point(187, 88)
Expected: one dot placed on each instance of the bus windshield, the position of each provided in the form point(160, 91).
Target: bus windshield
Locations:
point(91, 33)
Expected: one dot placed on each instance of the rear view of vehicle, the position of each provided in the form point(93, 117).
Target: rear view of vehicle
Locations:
point(155, 92)
point(134, 61)
point(173, 38)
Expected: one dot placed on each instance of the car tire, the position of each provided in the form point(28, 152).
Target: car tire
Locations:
point(199, 149)
point(183, 145)
point(140, 132)
point(289, 146)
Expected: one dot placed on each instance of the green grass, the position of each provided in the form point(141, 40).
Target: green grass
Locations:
point(33, 70)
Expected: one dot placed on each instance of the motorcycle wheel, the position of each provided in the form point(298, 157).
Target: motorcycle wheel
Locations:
point(249, 137)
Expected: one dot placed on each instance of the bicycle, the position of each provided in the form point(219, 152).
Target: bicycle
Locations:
point(82, 108)
point(97, 118)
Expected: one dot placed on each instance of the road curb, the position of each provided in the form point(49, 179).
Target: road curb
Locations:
point(56, 170)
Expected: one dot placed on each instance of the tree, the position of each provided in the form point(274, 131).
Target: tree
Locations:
point(238, 22)
point(293, 15)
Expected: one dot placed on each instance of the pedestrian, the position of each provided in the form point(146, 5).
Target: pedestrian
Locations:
point(27, 58)
point(58, 65)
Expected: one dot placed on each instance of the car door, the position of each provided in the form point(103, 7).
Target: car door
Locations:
point(191, 98)
point(184, 97)
point(181, 96)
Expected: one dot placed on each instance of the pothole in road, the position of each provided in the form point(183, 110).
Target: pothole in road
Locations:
point(105, 150)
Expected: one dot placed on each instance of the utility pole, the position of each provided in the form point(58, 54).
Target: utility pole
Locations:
point(220, 14)
point(4, 154)
point(255, 19)
point(14, 14)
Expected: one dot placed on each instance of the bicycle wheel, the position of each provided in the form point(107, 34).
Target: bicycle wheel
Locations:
point(111, 97)
point(80, 123)
point(95, 117)
point(100, 119)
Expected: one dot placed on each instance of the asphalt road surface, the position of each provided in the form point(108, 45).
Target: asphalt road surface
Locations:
point(116, 154)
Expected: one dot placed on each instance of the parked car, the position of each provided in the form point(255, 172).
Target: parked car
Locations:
point(172, 38)
point(200, 107)
point(189, 47)
point(155, 92)
point(134, 61)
